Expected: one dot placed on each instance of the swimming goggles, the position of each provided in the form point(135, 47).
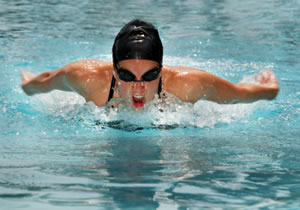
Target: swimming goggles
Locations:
point(149, 76)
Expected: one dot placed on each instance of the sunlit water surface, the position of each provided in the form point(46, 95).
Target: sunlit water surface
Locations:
point(58, 152)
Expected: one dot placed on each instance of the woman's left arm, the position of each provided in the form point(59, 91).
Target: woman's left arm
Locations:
point(265, 88)
point(192, 85)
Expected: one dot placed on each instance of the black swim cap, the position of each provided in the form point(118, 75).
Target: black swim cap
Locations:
point(137, 40)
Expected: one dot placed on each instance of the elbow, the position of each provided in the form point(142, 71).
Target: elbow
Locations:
point(44, 77)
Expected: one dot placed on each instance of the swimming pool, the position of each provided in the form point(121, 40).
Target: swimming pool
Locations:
point(58, 152)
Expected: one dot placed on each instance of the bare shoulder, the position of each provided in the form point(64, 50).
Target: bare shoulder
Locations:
point(88, 74)
point(89, 67)
point(174, 75)
point(181, 71)
point(187, 83)
point(90, 78)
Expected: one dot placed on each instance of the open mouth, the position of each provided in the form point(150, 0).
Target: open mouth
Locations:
point(138, 101)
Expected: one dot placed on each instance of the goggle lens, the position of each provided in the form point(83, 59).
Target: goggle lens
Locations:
point(149, 76)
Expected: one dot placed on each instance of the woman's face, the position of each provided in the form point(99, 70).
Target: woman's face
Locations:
point(139, 92)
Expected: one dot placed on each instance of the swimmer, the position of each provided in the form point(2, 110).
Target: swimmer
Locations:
point(137, 74)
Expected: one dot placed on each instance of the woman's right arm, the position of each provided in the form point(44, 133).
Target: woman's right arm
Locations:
point(89, 78)
point(67, 78)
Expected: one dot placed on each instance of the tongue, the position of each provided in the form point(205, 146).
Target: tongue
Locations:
point(138, 100)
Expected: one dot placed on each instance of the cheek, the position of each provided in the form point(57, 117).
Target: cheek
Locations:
point(152, 88)
point(124, 88)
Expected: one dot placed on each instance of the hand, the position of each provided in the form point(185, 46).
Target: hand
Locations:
point(27, 77)
point(267, 78)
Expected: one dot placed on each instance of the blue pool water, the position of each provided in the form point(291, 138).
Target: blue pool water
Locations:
point(58, 152)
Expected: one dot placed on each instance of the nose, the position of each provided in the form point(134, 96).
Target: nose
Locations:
point(138, 86)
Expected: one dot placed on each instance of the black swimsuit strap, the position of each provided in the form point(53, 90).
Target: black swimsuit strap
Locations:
point(159, 88)
point(112, 86)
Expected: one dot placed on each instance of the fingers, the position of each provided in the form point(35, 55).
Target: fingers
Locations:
point(26, 76)
point(267, 78)
point(23, 75)
point(264, 76)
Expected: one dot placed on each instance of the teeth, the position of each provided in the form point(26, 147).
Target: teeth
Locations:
point(138, 97)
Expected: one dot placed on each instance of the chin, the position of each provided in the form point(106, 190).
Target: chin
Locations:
point(138, 109)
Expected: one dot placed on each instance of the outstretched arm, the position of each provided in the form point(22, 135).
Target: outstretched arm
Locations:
point(89, 78)
point(81, 76)
point(191, 85)
point(265, 88)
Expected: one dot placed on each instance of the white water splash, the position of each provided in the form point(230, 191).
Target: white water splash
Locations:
point(201, 114)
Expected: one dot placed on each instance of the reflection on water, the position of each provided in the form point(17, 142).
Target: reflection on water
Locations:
point(147, 172)
point(131, 172)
